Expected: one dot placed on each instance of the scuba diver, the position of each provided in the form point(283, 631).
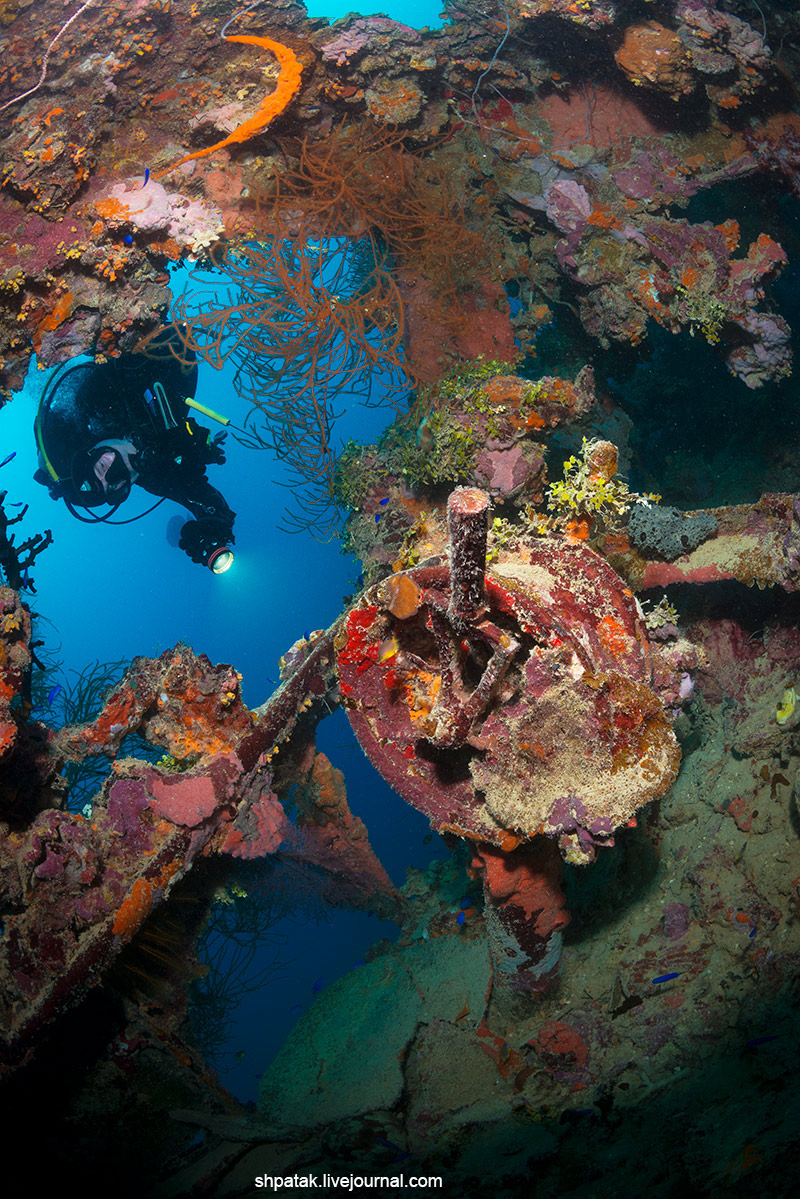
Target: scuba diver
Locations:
point(101, 428)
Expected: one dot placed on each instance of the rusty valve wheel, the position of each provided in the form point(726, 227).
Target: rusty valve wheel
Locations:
point(511, 703)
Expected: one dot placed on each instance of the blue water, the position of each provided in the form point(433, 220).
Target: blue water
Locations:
point(417, 13)
point(114, 592)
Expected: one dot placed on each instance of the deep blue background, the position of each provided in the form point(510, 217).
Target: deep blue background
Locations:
point(416, 13)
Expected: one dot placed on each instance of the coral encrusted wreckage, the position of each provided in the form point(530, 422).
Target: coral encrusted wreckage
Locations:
point(575, 195)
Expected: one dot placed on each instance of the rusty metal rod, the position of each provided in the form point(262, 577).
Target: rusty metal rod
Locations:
point(468, 522)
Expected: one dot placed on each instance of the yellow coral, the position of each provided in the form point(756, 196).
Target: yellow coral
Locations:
point(585, 489)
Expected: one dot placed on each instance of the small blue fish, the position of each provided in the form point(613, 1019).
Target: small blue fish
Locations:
point(399, 1154)
point(664, 978)
point(53, 693)
point(317, 986)
point(388, 1144)
point(357, 964)
point(295, 1008)
point(760, 1040)
point(460, 918)
point(8, 458)
point(19, 505)
point(382, 502)
point(378, 515)
point(466, 902)
point(26, 577)
point(128, 240)
point(752, 932)
point(146, 176)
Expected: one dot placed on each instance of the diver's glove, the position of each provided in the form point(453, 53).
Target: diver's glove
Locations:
point(215, 454)
point(199, 538)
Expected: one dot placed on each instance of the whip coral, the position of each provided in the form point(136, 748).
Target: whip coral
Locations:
point(303, 320)
point(363, 181)
point(286, 87)
point(46, 58)
point(313, 311)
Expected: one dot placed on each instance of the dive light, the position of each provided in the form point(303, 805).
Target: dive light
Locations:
point(220, 559)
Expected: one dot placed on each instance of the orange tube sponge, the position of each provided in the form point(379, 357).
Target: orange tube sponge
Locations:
point(287, 86)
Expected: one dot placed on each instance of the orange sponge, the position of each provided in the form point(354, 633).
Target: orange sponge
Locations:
point(287, 86)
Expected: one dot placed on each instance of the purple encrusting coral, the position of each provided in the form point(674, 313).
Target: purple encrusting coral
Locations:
point(127, 801)
point(676, 920)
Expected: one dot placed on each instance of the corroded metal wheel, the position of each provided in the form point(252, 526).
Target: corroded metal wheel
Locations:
point(510, 703)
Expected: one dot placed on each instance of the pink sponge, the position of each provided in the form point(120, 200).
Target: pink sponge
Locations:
point(187, 801)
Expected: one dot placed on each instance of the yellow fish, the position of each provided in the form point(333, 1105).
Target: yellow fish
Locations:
point(787, 705)
point(388, 649)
